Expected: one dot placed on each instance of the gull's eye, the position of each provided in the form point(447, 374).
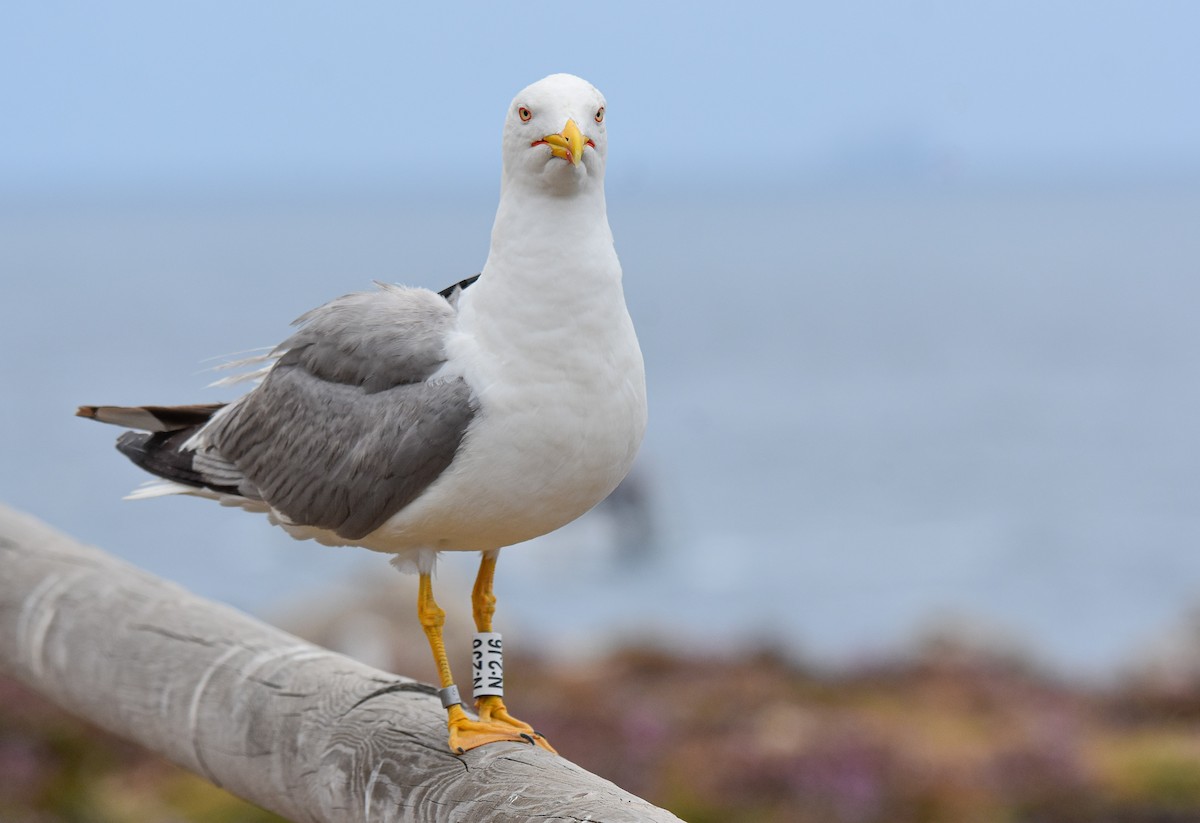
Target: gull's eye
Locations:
point(525, 114)
point(600, 115)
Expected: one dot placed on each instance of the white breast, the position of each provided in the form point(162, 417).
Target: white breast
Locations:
point(562, 411)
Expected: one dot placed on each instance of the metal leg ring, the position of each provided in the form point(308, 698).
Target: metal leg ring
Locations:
point(449, 696)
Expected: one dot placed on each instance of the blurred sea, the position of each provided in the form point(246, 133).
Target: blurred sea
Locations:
point(873, 412)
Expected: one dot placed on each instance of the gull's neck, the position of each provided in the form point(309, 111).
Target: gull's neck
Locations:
point(552, 281)
point(539, 234)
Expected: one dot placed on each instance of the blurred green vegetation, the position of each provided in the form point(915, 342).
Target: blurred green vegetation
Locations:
point(56, 769)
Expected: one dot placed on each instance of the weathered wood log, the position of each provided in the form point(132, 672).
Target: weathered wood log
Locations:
point(297, 729)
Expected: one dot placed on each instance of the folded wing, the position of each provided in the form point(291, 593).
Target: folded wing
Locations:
point(346, 428)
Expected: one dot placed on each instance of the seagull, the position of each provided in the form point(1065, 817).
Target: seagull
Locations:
point(414, 422)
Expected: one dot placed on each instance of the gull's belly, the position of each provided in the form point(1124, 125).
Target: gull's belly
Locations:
point(537, 456)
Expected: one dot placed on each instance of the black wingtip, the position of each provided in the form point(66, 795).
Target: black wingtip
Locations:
point(133, 446)
point(162, 454)
point(449, 291)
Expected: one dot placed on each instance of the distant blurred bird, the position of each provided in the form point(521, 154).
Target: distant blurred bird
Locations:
point(414, 422)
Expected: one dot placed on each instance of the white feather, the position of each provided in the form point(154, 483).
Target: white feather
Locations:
point(163, 488)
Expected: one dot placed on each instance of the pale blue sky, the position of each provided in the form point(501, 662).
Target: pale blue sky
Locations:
point(133, 93)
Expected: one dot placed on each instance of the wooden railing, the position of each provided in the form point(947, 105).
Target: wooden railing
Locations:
point(297, 729)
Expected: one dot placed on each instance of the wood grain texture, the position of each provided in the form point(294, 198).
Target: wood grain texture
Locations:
point(297, 729)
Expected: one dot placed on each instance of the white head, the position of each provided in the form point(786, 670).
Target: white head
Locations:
point(554, 136)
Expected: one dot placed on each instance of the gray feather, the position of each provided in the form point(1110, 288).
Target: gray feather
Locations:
point(346, 429)
point(219, 473)
point(373, 340)
point(339, 458)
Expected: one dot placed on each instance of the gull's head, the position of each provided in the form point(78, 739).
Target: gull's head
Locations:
point(554, 135)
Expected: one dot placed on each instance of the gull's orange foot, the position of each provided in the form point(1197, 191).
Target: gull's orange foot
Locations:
point(492, 709)
point(467, 734)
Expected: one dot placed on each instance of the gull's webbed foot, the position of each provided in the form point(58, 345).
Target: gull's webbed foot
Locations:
point(492, 709)
point(467, 734)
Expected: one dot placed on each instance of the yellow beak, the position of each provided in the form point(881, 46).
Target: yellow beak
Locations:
point(568, 144)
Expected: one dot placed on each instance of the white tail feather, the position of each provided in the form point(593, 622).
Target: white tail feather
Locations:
point(264, 361)
point(252, 376)
point(162, 488)
point(263, 353)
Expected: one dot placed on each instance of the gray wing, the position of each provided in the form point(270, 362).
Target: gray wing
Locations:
point(347, 428)
point(373, 340)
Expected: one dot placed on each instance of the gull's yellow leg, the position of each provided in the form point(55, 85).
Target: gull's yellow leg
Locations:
point(465, 733)
point(483, 601)
point(491, 707)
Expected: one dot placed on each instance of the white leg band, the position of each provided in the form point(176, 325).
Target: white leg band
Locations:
point(487, 664)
